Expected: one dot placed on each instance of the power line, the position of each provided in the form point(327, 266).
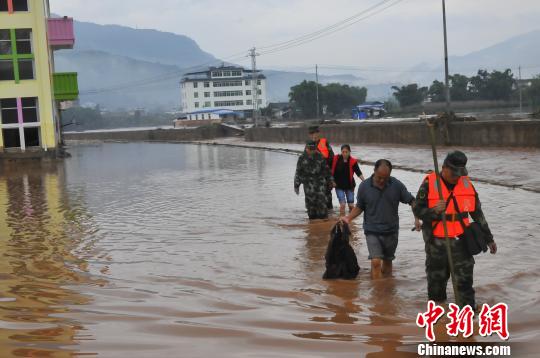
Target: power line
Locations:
point(328, 28)
point(296, 43)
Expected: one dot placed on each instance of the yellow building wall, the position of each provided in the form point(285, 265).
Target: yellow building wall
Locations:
point(41, 86)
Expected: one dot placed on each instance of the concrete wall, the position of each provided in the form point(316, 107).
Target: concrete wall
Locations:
point(473, 134)
point(201, 133)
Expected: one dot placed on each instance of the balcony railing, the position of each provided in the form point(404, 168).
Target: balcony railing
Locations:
point(61, 33)
point(66, 87)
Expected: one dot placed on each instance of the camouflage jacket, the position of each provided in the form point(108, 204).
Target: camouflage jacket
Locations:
point(312, 169)
point(427, 215)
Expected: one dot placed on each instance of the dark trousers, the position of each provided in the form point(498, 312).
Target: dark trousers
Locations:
point(438, 270)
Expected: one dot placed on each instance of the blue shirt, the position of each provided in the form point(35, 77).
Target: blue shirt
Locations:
point(381, 206)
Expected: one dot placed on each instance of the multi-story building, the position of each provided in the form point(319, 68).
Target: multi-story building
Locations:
point(221, 88)
point(30, 91)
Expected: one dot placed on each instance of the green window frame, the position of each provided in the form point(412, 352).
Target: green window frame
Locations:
point(15, 57)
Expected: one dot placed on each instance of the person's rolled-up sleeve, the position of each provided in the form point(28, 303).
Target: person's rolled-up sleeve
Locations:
point(405, 196)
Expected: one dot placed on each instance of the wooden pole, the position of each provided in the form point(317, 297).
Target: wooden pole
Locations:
point(443, 215)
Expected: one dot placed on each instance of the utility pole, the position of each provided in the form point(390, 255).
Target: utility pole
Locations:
point(317, 89)
point(446, 76)
point(254, 88)
point(520, 93)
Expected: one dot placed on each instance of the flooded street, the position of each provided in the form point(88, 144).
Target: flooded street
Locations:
point(149, 250)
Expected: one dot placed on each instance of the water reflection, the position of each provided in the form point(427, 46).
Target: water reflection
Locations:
point(38, 235)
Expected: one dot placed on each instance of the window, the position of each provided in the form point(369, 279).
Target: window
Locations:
point(249, 102)
point(217, 74)
point(20, 122)
point(13, 5)
point(7, 71)
point(227, 93)
point(31, 136)
point(226, 73)
point(236, 73)
point(29, 110)
point(208, 104)
point(248, 83)
point(196, 104)
point(228, 103)
point(227, 84)
point(259, 82)
point(12, 138)
point(195, 84)
point(206, 84)
point(259, 91)
point(8, 111)
point(24, 41)
point(196, 94)
point(16, 62)
point(248, 92)
point(206, 94)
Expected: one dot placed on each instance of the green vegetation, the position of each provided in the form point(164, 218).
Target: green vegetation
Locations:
point(338, 98)
point(410, 95)
point(80, 119)
point(488, 86)
point(532, 93)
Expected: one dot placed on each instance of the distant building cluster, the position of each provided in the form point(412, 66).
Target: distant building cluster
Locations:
point(221, 91)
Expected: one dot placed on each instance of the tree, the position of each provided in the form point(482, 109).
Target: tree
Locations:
point(304, 97)
point(436, 91)
point(340, 98)
point(496, 85)
point(410, 94)
point(500, 85)
point(337, 97)
point(532, 93)
point(459, 87)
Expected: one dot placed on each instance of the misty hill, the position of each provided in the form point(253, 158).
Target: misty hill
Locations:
point(519, 50)
point(136, 83)
point(140, 44)
point(110, 56)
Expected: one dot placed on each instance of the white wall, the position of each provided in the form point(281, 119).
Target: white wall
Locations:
point(188, 95)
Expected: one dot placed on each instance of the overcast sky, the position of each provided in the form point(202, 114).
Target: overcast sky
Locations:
point(404, 35)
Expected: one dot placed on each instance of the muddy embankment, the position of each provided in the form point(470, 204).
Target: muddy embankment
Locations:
point(165, 135)
point(509, 133)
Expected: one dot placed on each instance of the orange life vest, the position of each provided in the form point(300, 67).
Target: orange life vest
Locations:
point(322, 147)
point(352, 162)
point(466, 199)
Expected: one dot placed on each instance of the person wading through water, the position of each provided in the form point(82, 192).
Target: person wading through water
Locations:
point(323, 147)
point(455, 184)
point(313, 172)
point(344, 166)
point(378, 198)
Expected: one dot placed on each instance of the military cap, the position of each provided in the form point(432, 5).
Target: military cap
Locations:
point(313, 129)
point(456, 161)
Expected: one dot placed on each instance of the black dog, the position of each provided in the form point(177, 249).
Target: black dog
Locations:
point(340, 258)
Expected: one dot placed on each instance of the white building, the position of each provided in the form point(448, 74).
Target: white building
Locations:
point(225, 87)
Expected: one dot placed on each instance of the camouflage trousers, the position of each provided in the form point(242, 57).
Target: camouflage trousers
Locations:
point(316, 202)
point(329, 203)
point(438, 270)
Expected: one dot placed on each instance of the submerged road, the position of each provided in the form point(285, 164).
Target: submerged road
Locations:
point(152, 249)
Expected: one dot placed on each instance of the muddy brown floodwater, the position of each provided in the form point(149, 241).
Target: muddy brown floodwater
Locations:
point(170, 250)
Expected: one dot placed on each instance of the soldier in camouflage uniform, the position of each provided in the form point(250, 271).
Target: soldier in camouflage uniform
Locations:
point(313, 172)
point(437, 268)
point(325, 149)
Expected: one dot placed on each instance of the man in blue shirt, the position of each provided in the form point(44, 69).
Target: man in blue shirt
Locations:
point(378, 198)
